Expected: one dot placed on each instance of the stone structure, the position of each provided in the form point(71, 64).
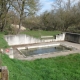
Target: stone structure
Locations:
point(67, 36)
point(60, 37)
point(72, 37)
point(20, 39)
point(25, 39)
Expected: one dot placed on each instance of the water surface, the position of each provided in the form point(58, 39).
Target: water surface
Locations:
point(32, 52)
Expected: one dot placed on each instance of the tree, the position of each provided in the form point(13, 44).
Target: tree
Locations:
point(4, 8)
point(25, 8)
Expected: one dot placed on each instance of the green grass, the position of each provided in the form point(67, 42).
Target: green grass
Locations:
point(3, 43)
point(59, 68)
point(38, 34)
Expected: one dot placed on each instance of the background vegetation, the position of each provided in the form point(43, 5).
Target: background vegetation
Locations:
point(3, 43)
point(40, 33)
point(64, 16)
point(18, 10)
point(59, 68)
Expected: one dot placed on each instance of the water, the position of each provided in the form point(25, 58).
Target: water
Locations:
point(43, 50)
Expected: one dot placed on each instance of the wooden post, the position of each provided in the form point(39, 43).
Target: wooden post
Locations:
point(0, 74)
point(4, 73)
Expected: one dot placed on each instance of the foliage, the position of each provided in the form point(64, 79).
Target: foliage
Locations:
point(40, 33)
point(4, 8)
point(3, 43)
point(21, 8)
point(64, 16)
point(59, 68)
point(25, 8)
point(74, 29)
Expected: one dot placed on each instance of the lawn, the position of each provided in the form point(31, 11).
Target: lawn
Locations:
point(3, 43)
point(59, 68)
point(38, 34)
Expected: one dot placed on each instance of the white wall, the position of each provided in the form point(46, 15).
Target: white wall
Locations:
point(60, 37)
point(20, 39)
point(25, 39)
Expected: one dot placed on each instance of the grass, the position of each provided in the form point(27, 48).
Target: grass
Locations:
point(38, 34)
point(59, 68)
point(3, 43)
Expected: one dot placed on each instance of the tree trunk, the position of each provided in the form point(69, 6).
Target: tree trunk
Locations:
point(20, 24)
point(21, 16)
point(3, 25)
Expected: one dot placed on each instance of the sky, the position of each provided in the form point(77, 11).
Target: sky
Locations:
point(46, 4)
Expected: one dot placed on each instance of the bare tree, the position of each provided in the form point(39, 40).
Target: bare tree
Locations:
point(25, 8)
point(4, 8)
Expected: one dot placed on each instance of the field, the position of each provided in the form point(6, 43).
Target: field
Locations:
point(59, 68)
point(38, 34)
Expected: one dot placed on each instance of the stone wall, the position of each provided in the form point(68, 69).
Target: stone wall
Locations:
point(20, 39)
point(60, 37)
point(72, 37)
point(25, 39)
